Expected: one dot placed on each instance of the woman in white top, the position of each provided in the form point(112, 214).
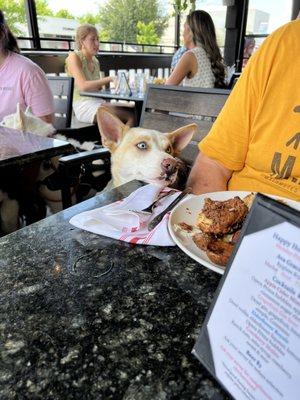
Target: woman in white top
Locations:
point(201, 65)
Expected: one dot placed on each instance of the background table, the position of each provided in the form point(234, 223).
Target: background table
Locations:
point(107, 94)
point(18, 148)
point(70, 331)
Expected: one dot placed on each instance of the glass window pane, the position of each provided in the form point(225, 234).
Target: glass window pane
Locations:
point(15, 16)
point(126, 21)
point(266, 16)
point(263, 18)
point(217, 11)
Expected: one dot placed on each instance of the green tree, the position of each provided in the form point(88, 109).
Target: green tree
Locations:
point(182, 5)
point(42, 8)
point(146, 33)
point(119, 18)
point(14, 11)
point(89, 18)
point(63, 13)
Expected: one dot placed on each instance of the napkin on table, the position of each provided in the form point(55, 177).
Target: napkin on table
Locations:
point(118, 221)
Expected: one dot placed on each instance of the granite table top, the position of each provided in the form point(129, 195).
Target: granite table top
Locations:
point(84, 316)
point(17, 148)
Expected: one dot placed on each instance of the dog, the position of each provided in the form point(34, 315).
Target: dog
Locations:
point(143, 154)
point(47, 178)
point(27, 122)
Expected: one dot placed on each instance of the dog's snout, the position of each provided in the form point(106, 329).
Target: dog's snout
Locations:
point(169, 166)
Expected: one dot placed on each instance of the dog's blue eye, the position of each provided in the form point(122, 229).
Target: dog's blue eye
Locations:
point(142, 146)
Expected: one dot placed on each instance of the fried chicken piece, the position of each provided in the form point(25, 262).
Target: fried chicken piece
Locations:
point(222, 217)
point(185, 227)
point(219, 252)
point(202, 240)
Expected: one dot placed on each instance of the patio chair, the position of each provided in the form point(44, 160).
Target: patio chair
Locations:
point(65, 123)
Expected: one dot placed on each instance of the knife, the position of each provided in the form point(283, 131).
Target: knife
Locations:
point(160, 216)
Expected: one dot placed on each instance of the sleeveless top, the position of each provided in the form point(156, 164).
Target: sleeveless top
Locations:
point(204, 76)
point(90, 76)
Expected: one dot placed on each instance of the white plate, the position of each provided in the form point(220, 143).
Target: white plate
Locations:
point(188, 210)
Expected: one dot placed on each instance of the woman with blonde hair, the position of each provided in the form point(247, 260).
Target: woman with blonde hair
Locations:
point(83, 65)
point(201, 65)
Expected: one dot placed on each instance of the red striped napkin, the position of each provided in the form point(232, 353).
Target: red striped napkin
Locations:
point(118, 221)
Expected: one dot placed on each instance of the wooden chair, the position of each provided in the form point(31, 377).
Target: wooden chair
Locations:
point(62, 88)
point(165, 108)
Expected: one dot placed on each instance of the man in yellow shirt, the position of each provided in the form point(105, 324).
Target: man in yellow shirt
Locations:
point(255, 142)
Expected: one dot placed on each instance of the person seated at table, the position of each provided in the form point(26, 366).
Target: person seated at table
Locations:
point(177, 56)
point(21, 80)
point(249, 46)
point(201, 65)
point(83, 65)
point(255, 142)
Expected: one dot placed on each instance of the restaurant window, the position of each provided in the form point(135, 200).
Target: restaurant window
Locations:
point(14, 12)
point(217, 11)
point(123, 25)
point(263, 18)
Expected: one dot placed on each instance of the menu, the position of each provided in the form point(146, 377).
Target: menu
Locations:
point(251, 338)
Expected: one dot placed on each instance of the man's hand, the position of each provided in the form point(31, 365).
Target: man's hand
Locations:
point(208, 175)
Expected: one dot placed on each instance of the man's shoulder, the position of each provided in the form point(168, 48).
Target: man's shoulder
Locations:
point(290, 30)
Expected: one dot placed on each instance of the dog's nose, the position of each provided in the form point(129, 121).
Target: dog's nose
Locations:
point(169, 166)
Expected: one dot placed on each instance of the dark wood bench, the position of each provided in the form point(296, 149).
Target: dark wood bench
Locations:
point(54, 62)
point(65, 122)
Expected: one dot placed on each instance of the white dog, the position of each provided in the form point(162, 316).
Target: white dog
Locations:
point(144, 154)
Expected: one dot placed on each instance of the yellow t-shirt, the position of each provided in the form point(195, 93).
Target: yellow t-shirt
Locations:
point(257, 134)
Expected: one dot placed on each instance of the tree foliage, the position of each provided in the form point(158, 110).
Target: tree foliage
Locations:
point(63, 13)
point(89, 18)
point(119, 18)
point(14, 11)
point(146, 33)
point(140, 21)
point(42, 8)
point(182, 5)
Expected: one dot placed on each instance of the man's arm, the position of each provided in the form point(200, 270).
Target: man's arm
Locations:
point(208, 175)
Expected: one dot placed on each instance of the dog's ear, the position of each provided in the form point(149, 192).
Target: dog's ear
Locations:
point(20, 119)
point(111, 128)
point(181, 137)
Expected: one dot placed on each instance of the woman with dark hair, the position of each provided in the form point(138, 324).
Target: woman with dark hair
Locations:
point(202, 64)
point(21, 81)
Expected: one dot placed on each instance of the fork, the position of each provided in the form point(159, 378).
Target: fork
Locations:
point(148, 210)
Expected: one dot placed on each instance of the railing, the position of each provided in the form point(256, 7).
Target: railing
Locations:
point(104, 46)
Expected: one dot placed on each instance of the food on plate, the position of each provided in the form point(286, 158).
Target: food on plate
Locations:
point(159, 81)
point(217, 227)
point(219, 251)
point(222, 217)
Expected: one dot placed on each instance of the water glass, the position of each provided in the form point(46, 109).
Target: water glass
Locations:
point(140, 83)
point(131, 79)
point(160, 73)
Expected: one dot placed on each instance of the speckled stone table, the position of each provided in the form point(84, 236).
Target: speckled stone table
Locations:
point(88, 317)
point(17, 149)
